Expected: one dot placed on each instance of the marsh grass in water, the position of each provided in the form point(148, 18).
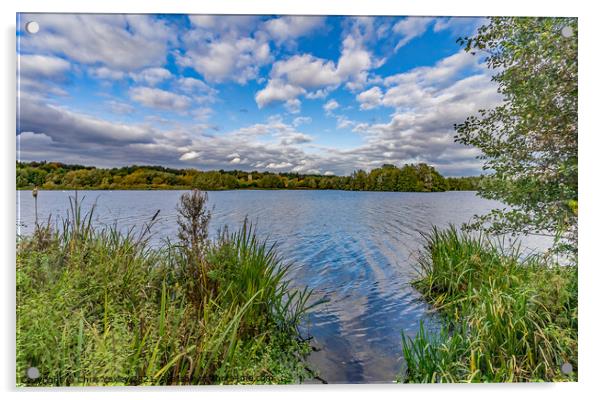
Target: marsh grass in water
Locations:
point(506, 318)
point(97, 306)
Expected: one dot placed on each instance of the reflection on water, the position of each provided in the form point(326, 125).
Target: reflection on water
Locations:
point(357, 249)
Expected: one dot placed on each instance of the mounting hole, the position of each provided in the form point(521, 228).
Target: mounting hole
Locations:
point(32, 27)
point(33, 373)
point(567, 31)
point(566, 368)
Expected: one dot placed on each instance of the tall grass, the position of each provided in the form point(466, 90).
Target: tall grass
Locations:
point(97, 306)
point(506, 318)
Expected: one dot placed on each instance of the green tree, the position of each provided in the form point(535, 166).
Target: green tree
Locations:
point(408, 179)
point(270, 181)
point(529, 142)
point(359, 180)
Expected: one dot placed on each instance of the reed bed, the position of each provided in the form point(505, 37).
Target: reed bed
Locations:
point(103, 307)
point(506, 318)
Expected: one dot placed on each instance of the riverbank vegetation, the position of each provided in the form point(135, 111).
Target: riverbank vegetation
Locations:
point(409, 178)
point(505, 318)
point(96, 306)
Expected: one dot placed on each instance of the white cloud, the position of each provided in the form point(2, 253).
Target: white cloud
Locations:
point(315, 77)
point(158, 98)
point(277, 90)
point(330, 106)
point(354, 63)
point(232, 60)
point(224, 25)
point(119, 107)
point(118, 41)
point(275, 130)
point(443, 71)
point(280, 165)
point(291, 27)
point(202, 113)
point(293, 106)
point(343, 122)
point(190, 85)
point(306, 71)
point(459, 25)
point(410, 28)
point(190, 155)
point(221, 49)
point(412, 88)
point(421, 128)
point(39, 66)
point(42, 75)
point(370, 98)
point(105, 73)
point(318, 94)
point(151, 76)
point(301, 121)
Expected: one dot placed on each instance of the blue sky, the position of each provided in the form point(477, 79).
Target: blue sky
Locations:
point(326, 95)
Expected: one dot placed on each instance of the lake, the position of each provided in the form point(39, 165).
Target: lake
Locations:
point(357, 249)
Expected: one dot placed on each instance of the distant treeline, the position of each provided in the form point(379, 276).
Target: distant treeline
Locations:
point(409, 178)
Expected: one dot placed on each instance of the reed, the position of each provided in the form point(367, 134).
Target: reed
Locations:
point(99, 306)
point(506, 317)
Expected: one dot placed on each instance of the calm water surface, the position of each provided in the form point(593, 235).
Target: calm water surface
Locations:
point(357, 249)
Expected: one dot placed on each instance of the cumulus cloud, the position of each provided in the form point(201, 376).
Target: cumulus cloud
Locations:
point(193, 85)
point(370, 98)
point(158, 98)
point(315, 77)
point(118, 41)
point(225, 24)
point(344, 122)
point(301, 121)
point(41, 74)
point(190, 155)
point(277, 90)
point(414, 87)
point(221, 49)
point(237, 60)
point(428, 101)
point(151, 76)
point(291, 27)
point(40, 66)
point(293, 106)
point(306, 71)
point(330, 106)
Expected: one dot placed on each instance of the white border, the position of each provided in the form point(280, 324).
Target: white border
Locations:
point(590, 203)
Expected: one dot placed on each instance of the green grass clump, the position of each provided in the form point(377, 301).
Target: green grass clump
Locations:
point(506, 318)
point(100, 307)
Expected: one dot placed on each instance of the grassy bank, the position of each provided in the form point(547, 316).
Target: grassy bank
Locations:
point(506, 319)
point(95, 306)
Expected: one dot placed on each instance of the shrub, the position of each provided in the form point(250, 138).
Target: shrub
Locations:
point(506, 317)
point(97, 306)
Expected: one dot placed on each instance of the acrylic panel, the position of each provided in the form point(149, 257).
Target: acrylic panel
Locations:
point(259, 199)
